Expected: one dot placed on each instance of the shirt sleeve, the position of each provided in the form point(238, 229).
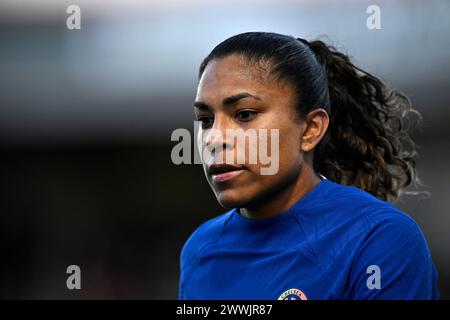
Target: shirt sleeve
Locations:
point(393, 262)
point(185, 254)
point(180, 291)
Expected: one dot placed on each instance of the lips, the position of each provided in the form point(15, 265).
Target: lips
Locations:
point(224, 172)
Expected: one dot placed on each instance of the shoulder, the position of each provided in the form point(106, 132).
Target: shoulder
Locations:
point(394, 231)
point(351, 218)
point(373, 212)
point(394, 244)
point(368, 233)
point(209, 232)
point(380, 229)
point(352, 203)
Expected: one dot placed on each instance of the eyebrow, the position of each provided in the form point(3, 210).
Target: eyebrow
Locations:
point(228, 100)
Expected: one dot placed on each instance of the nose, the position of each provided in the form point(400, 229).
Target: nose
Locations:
point(216, 138)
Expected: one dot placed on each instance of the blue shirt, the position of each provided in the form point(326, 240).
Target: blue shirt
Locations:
point(337, 242)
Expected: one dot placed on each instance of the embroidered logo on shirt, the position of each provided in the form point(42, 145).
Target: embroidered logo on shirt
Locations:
point(293, 294)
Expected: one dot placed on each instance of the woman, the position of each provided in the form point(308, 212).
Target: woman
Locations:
point(321, 227)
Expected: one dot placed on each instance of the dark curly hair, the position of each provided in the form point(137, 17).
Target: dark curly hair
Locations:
point(367, 144)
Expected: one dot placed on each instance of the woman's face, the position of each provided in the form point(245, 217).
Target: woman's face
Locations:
point(257, 103)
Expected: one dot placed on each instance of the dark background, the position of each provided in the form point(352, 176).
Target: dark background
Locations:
point(86, 116)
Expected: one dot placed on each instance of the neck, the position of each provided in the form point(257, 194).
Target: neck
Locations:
point(285, 198)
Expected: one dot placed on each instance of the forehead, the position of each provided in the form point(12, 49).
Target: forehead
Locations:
point(226, 76)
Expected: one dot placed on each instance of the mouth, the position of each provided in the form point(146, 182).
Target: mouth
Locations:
point(224, 172)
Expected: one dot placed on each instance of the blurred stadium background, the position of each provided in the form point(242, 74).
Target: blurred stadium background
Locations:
point(86, 117)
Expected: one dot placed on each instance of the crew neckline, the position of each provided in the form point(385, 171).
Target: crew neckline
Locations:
point(285, 214)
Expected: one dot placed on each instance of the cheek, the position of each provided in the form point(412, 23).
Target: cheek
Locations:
point(290, 148)
point(200, 139)
point(277, 147)
point(287, 167)
point(289, 159)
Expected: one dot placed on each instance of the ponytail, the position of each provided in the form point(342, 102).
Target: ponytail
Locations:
point(367, 144)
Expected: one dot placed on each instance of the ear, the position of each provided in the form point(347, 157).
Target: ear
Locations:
point(316, 124)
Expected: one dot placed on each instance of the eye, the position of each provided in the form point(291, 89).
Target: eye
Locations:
point(246, 115)
point(206, 121)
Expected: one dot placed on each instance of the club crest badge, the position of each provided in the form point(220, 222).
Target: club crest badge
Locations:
point(293, 294)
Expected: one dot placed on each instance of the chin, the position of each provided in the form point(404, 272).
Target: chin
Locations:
point(231, 199)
